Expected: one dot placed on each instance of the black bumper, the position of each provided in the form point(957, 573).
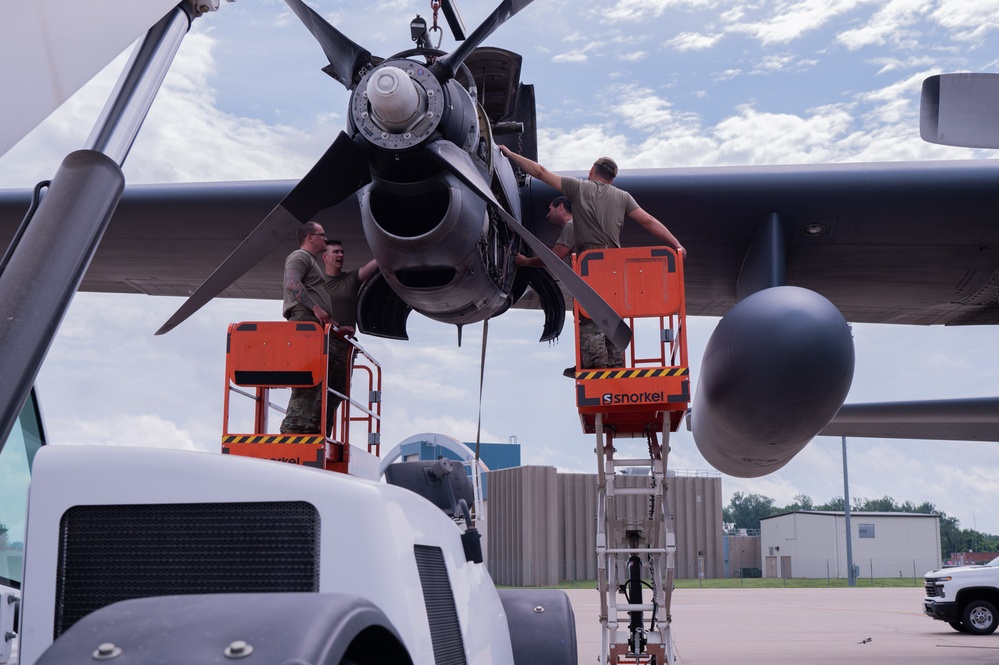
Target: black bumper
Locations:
point(942, 611)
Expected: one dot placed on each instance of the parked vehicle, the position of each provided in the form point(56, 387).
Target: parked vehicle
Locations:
point(966, 597)
point(191, 557)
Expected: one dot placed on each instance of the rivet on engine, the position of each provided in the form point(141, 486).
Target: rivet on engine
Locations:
point(238, 649)
point(106, 651)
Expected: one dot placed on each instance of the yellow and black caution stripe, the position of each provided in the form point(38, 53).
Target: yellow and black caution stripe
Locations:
point(273, 438)
point(631, 373)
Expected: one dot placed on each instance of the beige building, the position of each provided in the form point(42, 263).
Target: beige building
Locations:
point(542, 524)
point(813, 544)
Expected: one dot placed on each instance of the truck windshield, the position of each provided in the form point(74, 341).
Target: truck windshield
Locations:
point(15, 470)
point(994, 563)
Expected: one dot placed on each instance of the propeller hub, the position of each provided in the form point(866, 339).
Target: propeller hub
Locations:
point(394, 98)
point(397, 105)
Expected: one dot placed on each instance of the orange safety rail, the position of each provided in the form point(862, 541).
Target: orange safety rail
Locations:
point(353, 409)
point(287, 354)
point(639, 283)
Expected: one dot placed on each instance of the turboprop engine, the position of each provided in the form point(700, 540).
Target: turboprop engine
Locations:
point(439, 247)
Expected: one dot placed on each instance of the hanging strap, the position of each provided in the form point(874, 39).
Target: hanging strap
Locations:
point(482, 376)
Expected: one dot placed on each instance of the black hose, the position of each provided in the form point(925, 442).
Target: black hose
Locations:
point(36, 198)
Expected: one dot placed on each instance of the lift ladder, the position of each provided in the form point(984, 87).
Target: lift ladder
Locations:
point(636, 544)
point(264, 355)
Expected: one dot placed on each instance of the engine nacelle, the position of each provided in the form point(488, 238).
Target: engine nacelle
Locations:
point(775, 371)
point(429, 239)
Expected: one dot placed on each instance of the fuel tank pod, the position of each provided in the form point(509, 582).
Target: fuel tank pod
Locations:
point(775, 371)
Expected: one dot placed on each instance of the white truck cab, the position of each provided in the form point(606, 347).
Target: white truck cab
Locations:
point(966, 597)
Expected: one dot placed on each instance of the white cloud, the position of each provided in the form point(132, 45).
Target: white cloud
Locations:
point(693, 41)
point(578, 55)
point(892, 23)
point(185, 133)
point(633, 56)
point(138, 430)
point(970, 20)
point(635, 10)
point(791, 20)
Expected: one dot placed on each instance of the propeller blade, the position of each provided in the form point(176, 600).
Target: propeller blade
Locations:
point(459, 163)
point(340, 172)
point(448, 65)
point(345, 56)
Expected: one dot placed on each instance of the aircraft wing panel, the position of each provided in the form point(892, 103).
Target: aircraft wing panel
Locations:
point(912, 243)
point(166, 239)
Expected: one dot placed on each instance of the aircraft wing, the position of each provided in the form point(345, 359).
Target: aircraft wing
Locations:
point(913, 243)
point(39, 73)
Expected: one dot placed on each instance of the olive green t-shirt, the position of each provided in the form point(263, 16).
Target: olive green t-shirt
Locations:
point(314, 281)
point(343, 290)
point(568, 236)
point(598, 211)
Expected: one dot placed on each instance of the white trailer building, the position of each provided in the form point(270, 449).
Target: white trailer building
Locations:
point(813, 544)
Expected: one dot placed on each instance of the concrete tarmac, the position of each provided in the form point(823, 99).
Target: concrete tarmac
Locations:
point(860, 626)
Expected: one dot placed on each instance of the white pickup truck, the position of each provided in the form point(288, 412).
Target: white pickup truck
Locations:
point(966, 597)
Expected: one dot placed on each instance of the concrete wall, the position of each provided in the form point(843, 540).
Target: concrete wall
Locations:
point(696, 502)
point(523, 526)
point(743, 553)
point(577, 506)
point(542, 524)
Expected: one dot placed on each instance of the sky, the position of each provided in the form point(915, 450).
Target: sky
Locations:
point(654, 83)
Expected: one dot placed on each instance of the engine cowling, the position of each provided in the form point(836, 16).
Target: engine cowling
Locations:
point(428, 245)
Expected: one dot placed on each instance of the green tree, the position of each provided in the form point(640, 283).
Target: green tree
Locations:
point(745, 511)
point(885, 504)
point(950, 536)
point(835, 504)
point(800, 502)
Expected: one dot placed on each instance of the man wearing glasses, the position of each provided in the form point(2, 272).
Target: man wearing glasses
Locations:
point(305, 299)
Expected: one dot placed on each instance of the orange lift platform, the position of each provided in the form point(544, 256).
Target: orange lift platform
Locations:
point(643, 285)
point(265, 355)
point(648, 397)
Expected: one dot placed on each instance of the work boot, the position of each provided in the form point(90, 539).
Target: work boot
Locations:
point(569, 372)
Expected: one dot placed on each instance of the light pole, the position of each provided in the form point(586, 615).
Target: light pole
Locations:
point(851, 580)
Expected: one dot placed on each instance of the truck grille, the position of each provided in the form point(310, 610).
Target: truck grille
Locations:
point(931, 589)
point(113, 553)
point(445, 631)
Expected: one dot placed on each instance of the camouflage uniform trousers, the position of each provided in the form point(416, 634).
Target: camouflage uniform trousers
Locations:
point(595, 350)
point(341, 363)
point(305, 406)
